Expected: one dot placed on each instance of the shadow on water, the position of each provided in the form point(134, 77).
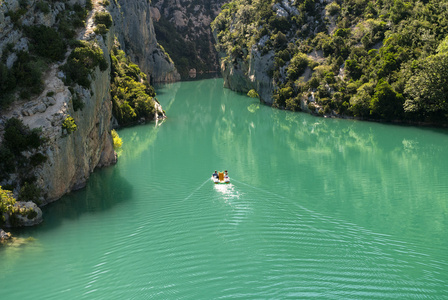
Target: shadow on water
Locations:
point(105, 189)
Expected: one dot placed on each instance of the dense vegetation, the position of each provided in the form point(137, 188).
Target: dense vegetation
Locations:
point(384, 59)
point(82, 61)
point(47, 44)
point(132, 95)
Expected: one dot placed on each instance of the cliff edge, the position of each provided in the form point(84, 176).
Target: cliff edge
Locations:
point(74, 120)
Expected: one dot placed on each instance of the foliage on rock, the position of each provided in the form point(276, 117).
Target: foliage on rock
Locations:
point(69, 125)
point(132, 95)
point(118, 142)
point(83, 59)
point(19, 153)
point(374, 60)
point(103, 21)
point(22, 68)
point(7, 202)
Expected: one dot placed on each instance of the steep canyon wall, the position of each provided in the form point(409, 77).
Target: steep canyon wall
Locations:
point(71, 157)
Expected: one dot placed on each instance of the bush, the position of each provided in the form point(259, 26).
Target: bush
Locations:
point(103, 18)
point(100, 29)
point(333, 8)
point(7, 203)
point(7, 85)
point(37, 159)
point(7, 162)
point(27, 73)
point(297, 66)
point(117, 140)
point(43, 7)
point(69, 125)
point(81, 62)
point(311, 106)
point(16, 15)
point(89, 4)
point(31, 214)
point(42, 37)
point(132, 100)
point(29, 192)
point(18, 137)
point(253, 94)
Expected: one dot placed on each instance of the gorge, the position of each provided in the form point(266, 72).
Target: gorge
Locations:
point(317, 208)
point(325, 208)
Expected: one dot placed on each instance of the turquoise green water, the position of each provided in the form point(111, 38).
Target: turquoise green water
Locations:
point(317, 208)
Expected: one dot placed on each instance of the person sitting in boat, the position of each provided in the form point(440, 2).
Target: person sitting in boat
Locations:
point(215, 175)
point(226, 175)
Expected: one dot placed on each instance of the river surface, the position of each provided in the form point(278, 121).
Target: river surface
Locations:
point(316, 208)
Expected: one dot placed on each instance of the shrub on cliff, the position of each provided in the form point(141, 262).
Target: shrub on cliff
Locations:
point(7, 202)
point(18, 138)
point(25, 76)
point(29, 192)
point(69, 125)
point(81, 63)
point(10, 208)
point(132, 96)
point(46, 42)
point(104, 18)
point(117, 140)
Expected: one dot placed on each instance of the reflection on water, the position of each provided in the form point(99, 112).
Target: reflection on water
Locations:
point(228, 192)
point(105, 189)
point(316, 208)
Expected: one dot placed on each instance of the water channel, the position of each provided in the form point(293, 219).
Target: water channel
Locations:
point(316, 208)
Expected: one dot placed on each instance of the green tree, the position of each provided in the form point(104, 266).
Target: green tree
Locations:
point(7, 202)
point(386, 103)
point(253, 94)
point(427, 90)
point(297, 66)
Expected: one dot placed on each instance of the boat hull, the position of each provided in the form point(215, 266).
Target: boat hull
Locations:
point(217, 181)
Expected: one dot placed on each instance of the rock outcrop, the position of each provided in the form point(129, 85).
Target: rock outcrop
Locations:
point(191, 23)
point(4, 236)
point(242, 76)
point(29, 214)
point(135, 31)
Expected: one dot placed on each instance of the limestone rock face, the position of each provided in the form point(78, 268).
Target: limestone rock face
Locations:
point(71, 157)
point(191, 19)
point(135, 30)
point(258, 74)
point(242, 77)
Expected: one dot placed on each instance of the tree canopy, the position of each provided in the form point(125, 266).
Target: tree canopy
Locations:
point(370, 59)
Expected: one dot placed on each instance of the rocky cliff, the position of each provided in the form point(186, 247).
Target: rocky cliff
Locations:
point(183, 28)
point(243, 76)
point(135, 30)
point(71, 155)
